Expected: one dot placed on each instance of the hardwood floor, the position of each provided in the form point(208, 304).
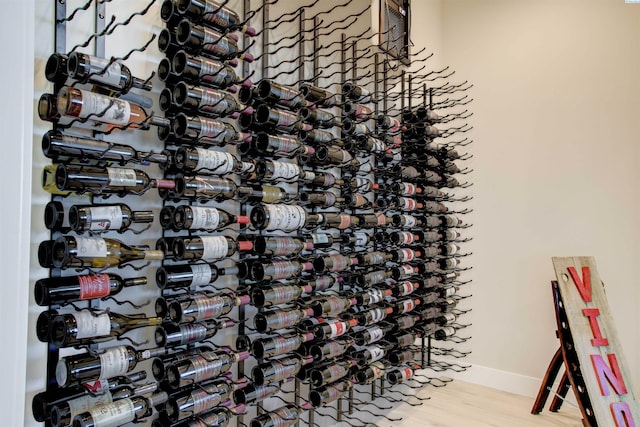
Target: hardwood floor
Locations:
point(461, 404)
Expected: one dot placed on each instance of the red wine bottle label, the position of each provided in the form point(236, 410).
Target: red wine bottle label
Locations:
point(122, 177)
point(208, 307)
point(111, 76)
point(337, 328)
point(105, 109)
point(214, 247)
point(362, 112)
point(192, 332)
point(407, 305)
point(94, 286)
point(203, 400)
point(407, 204)
point(114, 414)
point(84, 403)
point(218, 162)
point(407, 287)
point(215, 101)
point(406, 255)
point(205, 367)
point(90, 325)
point(215, 43)
point(105, 218)
point(114, 361)
point(205, 218)
point(407, 189)
point(201, 274)
point(91, 247)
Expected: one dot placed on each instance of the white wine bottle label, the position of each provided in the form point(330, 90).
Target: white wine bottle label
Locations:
point(285, 417)
point(91, 247)
point(114, 361)
point(286, 171)
point(375, 296)
point(214, 247)
point(375, 334)
point(94, 286)
point(90, 325)
point(105, 109)
point(122, 177)
point(285, 217)
point(215, 43)
point(201, 274)
point(361, 239)
point(111, 76)
point(105, 217)
point(406, 269)
point(450, 291)
point(213, 129)
point(449, 317)
point(210, 70)
point(376, 353)
point(84, 403)
point(114, 414)
point(320, 239)
point(205, 218)
point(215, 161)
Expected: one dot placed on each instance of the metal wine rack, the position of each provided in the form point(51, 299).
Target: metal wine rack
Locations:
point(417, 119)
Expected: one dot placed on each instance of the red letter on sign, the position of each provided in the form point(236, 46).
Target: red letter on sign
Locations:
point(584, 285)
point(622, 414)
point(606, 375)
point(592, 314)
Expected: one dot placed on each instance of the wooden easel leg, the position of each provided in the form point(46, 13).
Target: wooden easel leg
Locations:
point(547, 382)
point(561, 393)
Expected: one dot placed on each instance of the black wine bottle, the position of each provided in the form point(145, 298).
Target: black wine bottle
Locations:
point(59, 290)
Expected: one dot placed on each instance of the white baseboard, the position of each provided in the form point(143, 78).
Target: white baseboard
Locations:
point(502, 380)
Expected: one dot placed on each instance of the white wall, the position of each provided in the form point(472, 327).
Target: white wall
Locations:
point(556, 159)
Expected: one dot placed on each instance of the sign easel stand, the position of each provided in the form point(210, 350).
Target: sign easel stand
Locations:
point(572, 377)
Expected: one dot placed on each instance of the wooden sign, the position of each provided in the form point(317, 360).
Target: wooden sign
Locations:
point(603, 366)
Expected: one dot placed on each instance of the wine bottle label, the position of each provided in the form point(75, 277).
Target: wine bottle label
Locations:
point(288, 96)
point(84, 403)
point(362, 112)
point(98, 386)
point(285, 217)
point(283, 319)
point(406, 288)
point(405, 340)
point(337, 262)
point(112, 75)
point(381, 218)
point(375, 296)
point(214, 247)
point(360, 184)
point(192, 332)
point(114, 361)
point(285, 417)
point(345, 221)
point(336, 305)
point(359, 200)
point(319, 239)
point(94, 286)
point(451, 249)
point(450, 291)
point(280, 245)
point(324, 282)
point(337, 328)
point(335, 372)
point(114, 414)
point(361, 239)
point(91, 247)
point(285, 119)
point(215, 101)
point(285, 145)
point(376, 315)
point(407, 305)
point(377, 146)
point(375, 334)
point(218, 162)
point(89, 325)
point(407, 204)
point(406, 255)
point(106, 217)
point(405, 322)
point(282, 345)
point(375, 277)
point(285, 171)
point(448, 331)
point(208, 307)
point(211, 71)
point(215, 43)
point(203, 400)
point(375, 258)
point(449, 317)
point(201, 274)
point(122, 177)
point(105, 109)
point(205, 218)
point(206, 367)
point(407, 189)
point(406, 238)
point(214, 129)
point(376, 353)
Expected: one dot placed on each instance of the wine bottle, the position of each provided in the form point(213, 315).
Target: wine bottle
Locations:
point(275, 294)
point(404, 306)
point(276, 270)
point(204, 306)
point(280, 120)
point(188, 403)
point(373, 258)
point(265, 194)
point(278, 345)
point(403, 356)
point(202, 367)
point(200, 40)
point(206, 218)
point(105, 217)
point(205, 101)
point(171, 335)
point(253, 393)
point(212, 162)
point(111, 74)
point(56, 145)
point(217, 417)
point(280, 245)
point(60, 290)
point(206, 131)
point(114, 361)
point(333, 328)
point(331, 373)
point(280, 145)
point(64, 413)
point(404, 288)
point(70, 251)
point(323, 199)
point(374, 277)
point(279, 318)
point(271, 92)
point(332, 155)
point(328, 350)
point(80, 327)
point(276, 370)
point(373, 316)
point(159, 365)
point(274, 170)
point(356, 239)
point(208, 248)
point(356, 93)
point(213, 13)
point(334, 263)
point(400, 374)
point(376, 219)
point(187, 275)
point(323, 395)
point(121, 411)
point(356, 111)
point(319, 118)
point(284, 416)
point(332, 305)
point(444, 333)
point(372, 296)
point(203, 71)
point(204, 187)
point(355, 129)
point(115, 112)
point(283, 217)
point(373, 334)
point(409, 221)
point(317, 136)
point(318, 96)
